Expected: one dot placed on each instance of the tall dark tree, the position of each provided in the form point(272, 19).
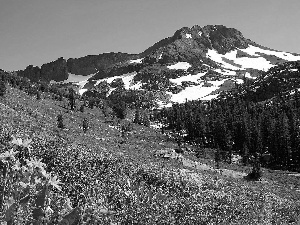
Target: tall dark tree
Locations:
point(2, 88)
point(72, 98)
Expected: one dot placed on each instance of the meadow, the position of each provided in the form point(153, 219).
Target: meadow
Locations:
point(51, 175)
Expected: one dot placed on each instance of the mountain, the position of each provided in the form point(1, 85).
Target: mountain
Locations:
point(194, 63)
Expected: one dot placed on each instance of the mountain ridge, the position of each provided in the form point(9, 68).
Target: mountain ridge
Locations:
point(211, 53)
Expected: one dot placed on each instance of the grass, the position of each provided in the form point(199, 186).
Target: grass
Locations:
point(124, 183)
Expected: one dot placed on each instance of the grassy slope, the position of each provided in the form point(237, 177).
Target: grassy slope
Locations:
point(207, 196)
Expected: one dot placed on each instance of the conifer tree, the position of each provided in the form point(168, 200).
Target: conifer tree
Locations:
point(85, 125)
point(60, 122)
point(72, 98)
point(38, 95)
point(82, 108)
point(2, 88)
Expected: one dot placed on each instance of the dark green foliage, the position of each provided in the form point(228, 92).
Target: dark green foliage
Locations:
point(85, 125)
point(82, 108)
point(120, 109)
point(38, 95)
point(256, 173)
point(60, 98)
point(2, 88)
point(142, 117)
point(92, 102)
point(126, 126)
point(60, 122)
point(236, 125)
point(43, 86)
point(23, 154)
point(72, 98)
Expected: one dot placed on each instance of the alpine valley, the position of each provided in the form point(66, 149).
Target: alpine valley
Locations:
point(203, 127)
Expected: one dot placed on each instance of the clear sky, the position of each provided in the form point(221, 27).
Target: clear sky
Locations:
point(33, 32)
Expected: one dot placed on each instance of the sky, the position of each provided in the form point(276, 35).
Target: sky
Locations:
point(34, 32)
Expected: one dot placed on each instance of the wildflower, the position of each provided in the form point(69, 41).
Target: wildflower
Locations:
point(55, 182)
point(16, 141)
point(68, 204)
point(23, 185)
point(19, 142)
point(8, 155)
point(48, 210)
point(36, 164)
point(16, 166)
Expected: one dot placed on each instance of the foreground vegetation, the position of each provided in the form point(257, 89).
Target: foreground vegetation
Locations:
point(103, 176)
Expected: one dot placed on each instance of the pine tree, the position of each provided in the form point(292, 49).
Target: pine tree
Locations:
point(60, 98)
point(60, 122)
point(2, 88)
point(72, 98)
point(137, 116)
point(85, 125)
point(38, 95)
point(82, 108)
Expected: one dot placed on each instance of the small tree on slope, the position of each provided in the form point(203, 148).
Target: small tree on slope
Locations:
point(2, 88)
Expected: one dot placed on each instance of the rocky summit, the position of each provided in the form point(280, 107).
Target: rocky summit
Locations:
point(194, 63)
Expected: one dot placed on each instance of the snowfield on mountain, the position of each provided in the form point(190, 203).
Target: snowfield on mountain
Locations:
point(194, 63)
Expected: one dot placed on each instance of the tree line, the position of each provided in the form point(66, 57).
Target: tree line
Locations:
point(236, 125)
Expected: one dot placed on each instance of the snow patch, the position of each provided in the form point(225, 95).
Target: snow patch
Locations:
point(136, 60)
point(251, 50)
point(127, 79)
point(226, 72)
point(259, 62)
point(215, 56)
point(188, 35)
point(247, 75)
point(193, 78)
point(81, 91)
point(209, 97)
point(195, 92)
point(73, 78)
point(180, 66)
point(79, 80)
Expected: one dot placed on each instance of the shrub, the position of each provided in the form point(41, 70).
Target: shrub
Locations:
point(60, 122)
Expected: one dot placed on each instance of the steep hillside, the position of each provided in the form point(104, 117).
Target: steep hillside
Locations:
point(136, 177)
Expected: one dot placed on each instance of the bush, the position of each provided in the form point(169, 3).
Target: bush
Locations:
point(60, 122)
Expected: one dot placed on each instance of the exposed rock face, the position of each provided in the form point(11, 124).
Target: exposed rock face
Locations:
point(56, 70)
point(191, 44)
point(31, 72)
point(96, 63)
